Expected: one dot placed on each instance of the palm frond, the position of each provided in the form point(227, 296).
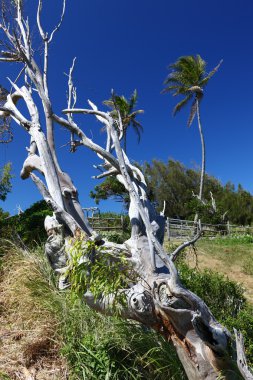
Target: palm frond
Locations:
point(108, 103)
point(188, 77)
point(181, 104)
point(192, 113)
point(133, 100)
point(124, 107)
point(138, 128)
point(137, 112)
point(206, 79)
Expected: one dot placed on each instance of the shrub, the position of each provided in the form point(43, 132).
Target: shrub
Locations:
point(225, 299)
point(28, 226)
point(116, 237)
point(234, 239)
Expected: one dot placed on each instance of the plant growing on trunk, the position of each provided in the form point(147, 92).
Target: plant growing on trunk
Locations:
point(188, 78)
point(153, 293)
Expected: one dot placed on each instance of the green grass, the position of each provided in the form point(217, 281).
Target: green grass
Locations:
point(99, 347)
point(233, 250)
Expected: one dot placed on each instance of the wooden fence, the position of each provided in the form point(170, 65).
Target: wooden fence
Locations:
point(180, 229)
point(175, 228)
point(107, 224)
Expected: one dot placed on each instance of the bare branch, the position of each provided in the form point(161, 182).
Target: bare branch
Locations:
point(24, 33)
point(43, 34)
point(71, 93)
point(164, 208)
point(11, 109)
point(8, 59)
point(175, 254)
point(105, 116)
point(33, 162)
point(58, 210)
point(60, 22)
point(18, 76)
point(106, 174)
point(72, 127)
point(39, 9)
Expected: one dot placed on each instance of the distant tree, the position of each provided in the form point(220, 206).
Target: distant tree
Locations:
point(174, 183)
point(127, 113)
point(188, 78)
point(5, 181)
point(110, 188)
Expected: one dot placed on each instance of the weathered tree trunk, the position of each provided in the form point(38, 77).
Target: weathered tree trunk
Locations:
point(155, 297)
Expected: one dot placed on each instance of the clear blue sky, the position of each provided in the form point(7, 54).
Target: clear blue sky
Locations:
point(128, 44)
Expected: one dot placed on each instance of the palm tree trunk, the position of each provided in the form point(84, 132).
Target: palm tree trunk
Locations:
point(203, 159)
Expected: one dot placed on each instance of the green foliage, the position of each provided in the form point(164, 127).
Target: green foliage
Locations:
point(119, 104)
point(231, 240)
point(188, 77)
point(97, 270)
point(5, 181)
point(29, 225)
point(175, 184)
point(110, 188)
point(116, 237)
point(3, 214)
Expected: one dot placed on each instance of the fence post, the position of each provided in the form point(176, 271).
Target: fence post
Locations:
point(228, 227)
point(168, 228)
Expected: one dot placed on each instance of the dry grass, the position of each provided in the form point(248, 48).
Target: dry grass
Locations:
point(233, 260)
point(29, 346)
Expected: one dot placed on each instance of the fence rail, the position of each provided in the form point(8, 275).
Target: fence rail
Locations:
point(177, 228)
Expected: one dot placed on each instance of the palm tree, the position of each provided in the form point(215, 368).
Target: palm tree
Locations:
point(128, 115)
point(188, 78)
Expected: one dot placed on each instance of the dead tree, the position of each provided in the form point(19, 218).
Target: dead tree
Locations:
point(156, 298)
